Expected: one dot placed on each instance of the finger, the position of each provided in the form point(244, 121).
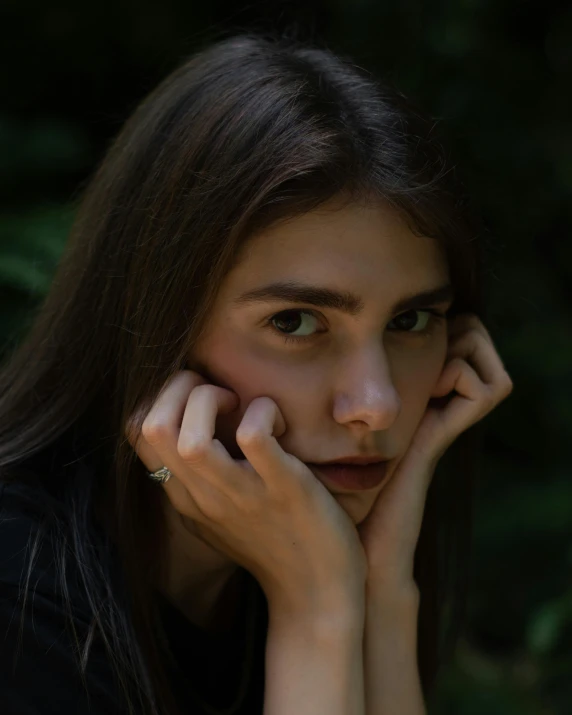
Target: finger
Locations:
point(466, 322)
point(161, 430)
point(178, 433)
point(471, 403)
point(168, 408)
point(483, 357)
point(256, 435)
point(459, 376)
point(197, 447)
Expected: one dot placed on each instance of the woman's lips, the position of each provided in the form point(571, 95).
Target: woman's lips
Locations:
point(352, 476)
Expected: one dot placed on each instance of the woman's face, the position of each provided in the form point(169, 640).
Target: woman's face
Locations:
point(358, 382)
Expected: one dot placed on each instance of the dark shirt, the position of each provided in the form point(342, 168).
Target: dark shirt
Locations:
point(39, 672)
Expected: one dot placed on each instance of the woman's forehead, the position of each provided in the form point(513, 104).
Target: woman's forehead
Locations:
point(356, 243)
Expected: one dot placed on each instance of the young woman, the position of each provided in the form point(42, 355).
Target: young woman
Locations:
point(274, 267)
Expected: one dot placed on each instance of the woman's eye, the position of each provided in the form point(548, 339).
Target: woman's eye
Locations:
point(410, 320)
point(288, 322)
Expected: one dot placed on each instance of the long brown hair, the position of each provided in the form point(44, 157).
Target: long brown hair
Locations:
point(251, 129)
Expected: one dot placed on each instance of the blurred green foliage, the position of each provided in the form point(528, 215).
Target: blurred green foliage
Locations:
point(498, 75)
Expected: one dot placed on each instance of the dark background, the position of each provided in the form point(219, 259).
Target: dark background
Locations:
point(498, 77)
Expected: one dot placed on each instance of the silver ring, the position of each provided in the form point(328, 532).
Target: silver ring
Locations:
point(161, 475)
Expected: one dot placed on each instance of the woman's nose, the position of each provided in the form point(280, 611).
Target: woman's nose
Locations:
point(378, 409)
point(368, 394)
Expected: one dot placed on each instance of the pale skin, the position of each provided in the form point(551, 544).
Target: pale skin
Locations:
point(382, 377)
point(359, 384)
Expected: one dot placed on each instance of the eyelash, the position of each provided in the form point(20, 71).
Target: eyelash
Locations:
point(436, 314)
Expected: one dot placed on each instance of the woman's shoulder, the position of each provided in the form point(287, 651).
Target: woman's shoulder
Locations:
point(25, 495)
point(29, 520)
point(36, 554)
point(44, 615)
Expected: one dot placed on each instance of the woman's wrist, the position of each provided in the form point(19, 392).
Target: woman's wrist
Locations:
point(337, 610)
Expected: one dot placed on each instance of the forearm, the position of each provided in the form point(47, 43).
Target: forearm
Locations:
point(315, 666)
point(392, 682)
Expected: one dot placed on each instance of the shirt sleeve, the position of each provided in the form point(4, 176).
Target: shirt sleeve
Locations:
point(39, 652)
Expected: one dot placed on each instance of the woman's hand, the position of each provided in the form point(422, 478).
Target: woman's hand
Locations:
point(474, 373)
point(267, 513)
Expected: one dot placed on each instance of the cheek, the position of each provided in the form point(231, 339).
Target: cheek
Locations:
point(224, 360)
point(415, 377)
point(235, 366)
point(229, 362)
point(433, 368)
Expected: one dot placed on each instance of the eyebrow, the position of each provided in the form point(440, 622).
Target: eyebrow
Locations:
point(343, 301)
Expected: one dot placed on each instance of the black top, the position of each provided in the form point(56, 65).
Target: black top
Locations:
point(39, 673)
